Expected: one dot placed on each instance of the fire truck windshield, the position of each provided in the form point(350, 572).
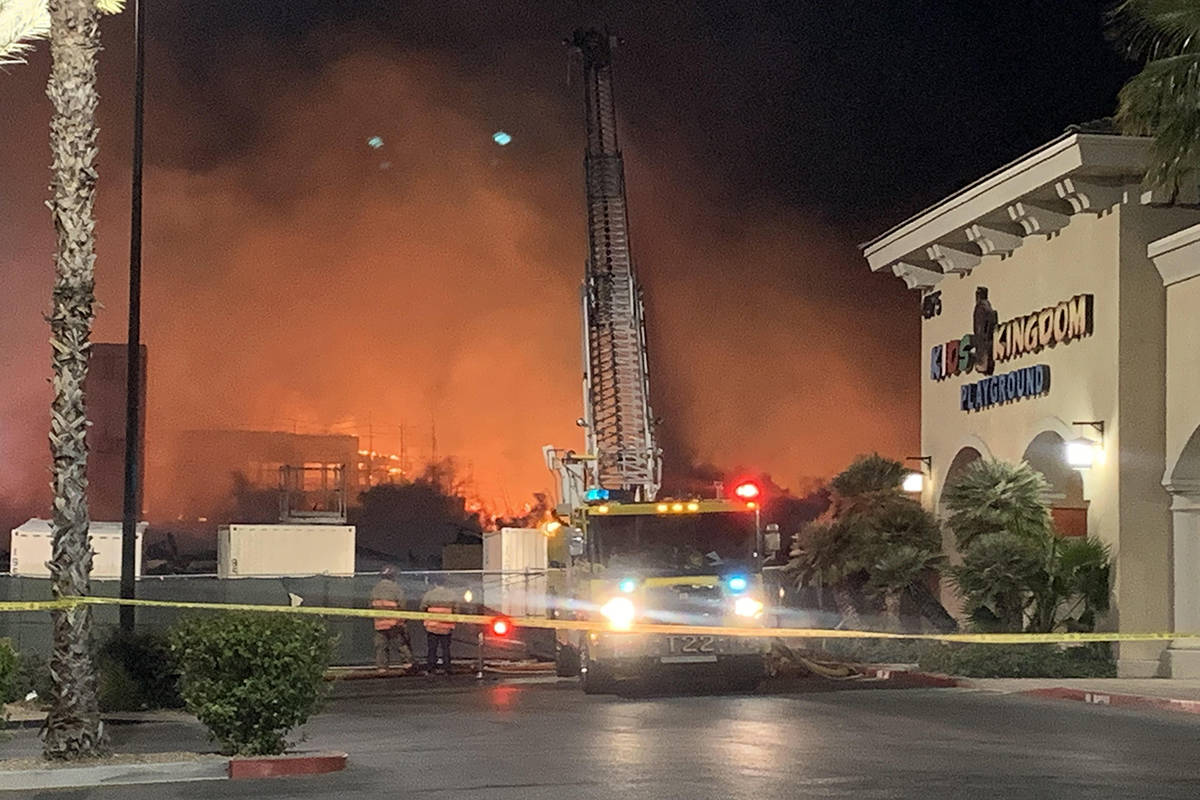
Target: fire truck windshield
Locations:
point(691, 544)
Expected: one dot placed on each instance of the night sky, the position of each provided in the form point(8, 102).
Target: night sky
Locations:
point(298, 278)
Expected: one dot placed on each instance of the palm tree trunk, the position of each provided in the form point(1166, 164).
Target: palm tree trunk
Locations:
point(891, 607)
point(845, 603)
point(73, 728)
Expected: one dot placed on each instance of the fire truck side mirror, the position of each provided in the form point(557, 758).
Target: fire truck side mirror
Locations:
point(575, 543)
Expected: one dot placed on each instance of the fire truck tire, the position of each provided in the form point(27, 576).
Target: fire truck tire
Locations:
point(566, 661)
point(594, 678)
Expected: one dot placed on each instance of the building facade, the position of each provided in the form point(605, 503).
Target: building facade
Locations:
point(1045, 327)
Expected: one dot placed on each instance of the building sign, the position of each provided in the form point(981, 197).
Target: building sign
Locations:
point(1016, 385)
point(992, 342)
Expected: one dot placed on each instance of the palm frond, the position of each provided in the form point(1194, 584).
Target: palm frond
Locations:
point(1153, 29)
point(110, 6)
point(21, 23)
point(1160, 101)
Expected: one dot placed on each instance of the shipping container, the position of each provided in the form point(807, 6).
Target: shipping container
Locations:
point(284, 550)
point(514, 566)
point(30, 549)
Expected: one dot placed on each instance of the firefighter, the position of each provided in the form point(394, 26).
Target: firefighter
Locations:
point(391, 638)
point(438, 635)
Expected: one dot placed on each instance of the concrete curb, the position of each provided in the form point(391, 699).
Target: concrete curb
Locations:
point(906, 679)
point(243, 768)
point(1116, 700)
point(209, 769)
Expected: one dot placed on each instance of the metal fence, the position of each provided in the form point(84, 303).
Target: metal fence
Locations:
point(514, 593)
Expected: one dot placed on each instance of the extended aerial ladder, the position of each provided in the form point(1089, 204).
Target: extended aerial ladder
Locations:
point(622, 454)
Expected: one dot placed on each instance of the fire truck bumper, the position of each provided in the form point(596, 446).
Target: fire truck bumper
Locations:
point(633, 655)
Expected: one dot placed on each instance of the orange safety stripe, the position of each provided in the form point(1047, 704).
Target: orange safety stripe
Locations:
point(436, 626)
point(386, 623)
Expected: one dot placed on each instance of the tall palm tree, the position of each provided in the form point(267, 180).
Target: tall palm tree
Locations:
point(73, 728)
point(21, 22)
point(1163, 100)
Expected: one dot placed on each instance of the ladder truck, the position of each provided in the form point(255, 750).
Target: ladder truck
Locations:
point(633, 557)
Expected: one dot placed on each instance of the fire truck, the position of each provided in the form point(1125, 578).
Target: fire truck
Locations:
point(634, 558)
point(673, 562)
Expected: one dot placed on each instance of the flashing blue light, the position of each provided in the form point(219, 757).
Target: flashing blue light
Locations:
point(627, 585)
point(375, 142)
point(593, 495)
point(501, 138)
point(737, 584)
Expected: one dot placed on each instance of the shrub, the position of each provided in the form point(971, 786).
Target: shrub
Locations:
point(1021, 660)
point(874, 546)
point(1017, 574)
point(138, 671)
point(878, 651)
point(33, 675)
point(8, 672)
point(252, 678)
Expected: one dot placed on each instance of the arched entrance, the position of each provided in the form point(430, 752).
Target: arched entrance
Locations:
point(1068, 507)
point(1183, 482)
point(962, 459)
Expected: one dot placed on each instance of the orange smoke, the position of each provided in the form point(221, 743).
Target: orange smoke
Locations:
point(314, 282)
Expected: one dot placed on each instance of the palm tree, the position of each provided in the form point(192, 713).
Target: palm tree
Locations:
point(21, 22)
point(874, 543)
point(73, 728)
point(1163, 100)
point(1017, 573)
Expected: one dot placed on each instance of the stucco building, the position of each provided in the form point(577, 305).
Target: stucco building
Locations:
point(1060, 304)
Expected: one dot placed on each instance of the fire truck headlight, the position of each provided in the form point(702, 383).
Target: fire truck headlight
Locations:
point(747, 607)
point(619, 612)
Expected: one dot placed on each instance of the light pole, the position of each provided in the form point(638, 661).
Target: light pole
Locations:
point(133, 357)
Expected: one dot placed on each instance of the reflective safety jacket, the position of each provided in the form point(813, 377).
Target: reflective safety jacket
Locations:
point(439, 600)
point(387, 594)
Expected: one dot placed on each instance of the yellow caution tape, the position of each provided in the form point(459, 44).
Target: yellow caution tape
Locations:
point(38, 605)
point(600, 626)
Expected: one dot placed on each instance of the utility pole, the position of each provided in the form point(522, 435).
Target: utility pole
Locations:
point(133, 354)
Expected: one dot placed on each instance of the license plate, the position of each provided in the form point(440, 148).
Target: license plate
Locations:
point(692, 645)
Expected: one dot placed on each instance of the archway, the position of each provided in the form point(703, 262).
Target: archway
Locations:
point(962, 459)
point(1068, 507)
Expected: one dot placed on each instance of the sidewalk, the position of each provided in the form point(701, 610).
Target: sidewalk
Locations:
point(1168, 694)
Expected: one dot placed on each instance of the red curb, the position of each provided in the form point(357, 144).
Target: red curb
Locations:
point(285, 765)
point(1119, 700)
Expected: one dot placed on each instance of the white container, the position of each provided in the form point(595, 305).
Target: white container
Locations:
point(245, 551)
point(514, 571)
point(30, 549)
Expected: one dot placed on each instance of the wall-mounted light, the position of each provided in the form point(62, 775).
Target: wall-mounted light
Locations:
point(914, 482)
point(1084, 453)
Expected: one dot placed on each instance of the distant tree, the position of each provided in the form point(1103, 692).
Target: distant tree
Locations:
point(1163, 100)
point(414, 520)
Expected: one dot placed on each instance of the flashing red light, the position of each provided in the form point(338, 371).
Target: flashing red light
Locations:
point(501, 627)
point(747, 491)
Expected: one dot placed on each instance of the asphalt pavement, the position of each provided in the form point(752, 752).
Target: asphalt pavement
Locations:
point(537, 739)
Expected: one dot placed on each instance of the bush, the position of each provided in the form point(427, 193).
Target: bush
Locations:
point(1017, 574)
point(8, 672)
point(878, 651)
point(138, 671)
point(33, 675)
point(252, 678)
point(1021, 660)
